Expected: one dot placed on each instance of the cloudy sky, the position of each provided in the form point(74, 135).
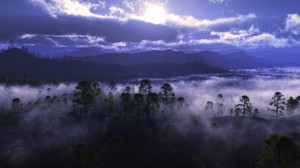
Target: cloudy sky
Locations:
point(51, 26)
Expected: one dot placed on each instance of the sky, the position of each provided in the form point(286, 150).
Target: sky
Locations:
point(66, 26)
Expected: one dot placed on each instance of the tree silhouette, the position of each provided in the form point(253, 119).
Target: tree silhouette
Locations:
point(11, 44)
point(181, 102)
point(209, 109)
point(138, 103)
point(145, 87)
point(152, 104)
point(112, 86)
point(167, 94)
point(16, 104)
point(244, 105)
point(85, 94)
point(127, 102)
point(278, 101)
point(220, 108)
point(291, 105)
point(109, 105)
point(255, 113)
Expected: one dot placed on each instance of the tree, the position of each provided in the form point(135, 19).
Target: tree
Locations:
point(16, 104)
point(48, 99)
point(255, 113)
point(85, 94)
point(220, 108)
point(209, 108)
point(109, 105)
point(79, 156)
point(115, 153)
point(181, 102)
point(152, 103)
point(127, 102)
point(167, 94)
point(291, 105)
point(244, 105)
point(278, 101)
point(11, 44)
point(65, 98)
point(279, 151)
point(112, 86)
point(145, 87)
point(138, 103)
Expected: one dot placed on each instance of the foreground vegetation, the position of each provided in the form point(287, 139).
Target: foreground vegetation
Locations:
point(93, 127)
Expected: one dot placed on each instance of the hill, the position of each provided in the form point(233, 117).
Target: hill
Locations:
point(20, 63)
point(236, 60)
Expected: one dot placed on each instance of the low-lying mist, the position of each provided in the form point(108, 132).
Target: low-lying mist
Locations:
point(43, 123)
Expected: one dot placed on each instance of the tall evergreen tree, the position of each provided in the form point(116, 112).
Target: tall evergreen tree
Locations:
point(291, 105)
point(278, 101)
point(167, 94)
point(244, 105)
point(85, 94)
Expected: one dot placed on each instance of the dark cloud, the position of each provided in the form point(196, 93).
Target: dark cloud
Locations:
point(23, 18)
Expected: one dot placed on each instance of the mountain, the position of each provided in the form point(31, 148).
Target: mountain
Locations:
point(20, 63)
point(235, 60)
point(290, 58)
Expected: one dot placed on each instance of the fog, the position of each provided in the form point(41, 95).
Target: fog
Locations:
point(44, 125)
point(259, 86)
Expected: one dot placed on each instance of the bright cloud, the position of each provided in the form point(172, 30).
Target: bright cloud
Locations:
point(190, 21)
point(116, 10)
point(232, 34)
point(133, 11)
point(293, 24)
point(86, 40)
point(236, 34)
point(251, 38)
point(219, 1)
point(71, 7)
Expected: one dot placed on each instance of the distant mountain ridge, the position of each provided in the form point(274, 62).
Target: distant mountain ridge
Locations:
point(20, 63)
point(235, 60)
point(122, 66)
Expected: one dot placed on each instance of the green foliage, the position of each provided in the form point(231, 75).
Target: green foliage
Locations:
point(16, 156)
point(79, 156)
point(280, 151)
point(196, 163)
point(291, 105)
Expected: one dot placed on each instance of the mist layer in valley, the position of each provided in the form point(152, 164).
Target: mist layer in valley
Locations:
point(47, 122)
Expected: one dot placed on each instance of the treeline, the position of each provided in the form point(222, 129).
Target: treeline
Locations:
point(278, 106)
point(89, 97)
point(98, 127)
